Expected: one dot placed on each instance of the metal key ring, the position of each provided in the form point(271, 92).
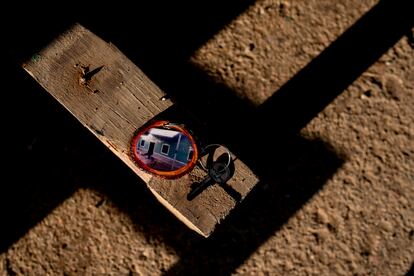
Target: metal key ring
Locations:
point(218, 146)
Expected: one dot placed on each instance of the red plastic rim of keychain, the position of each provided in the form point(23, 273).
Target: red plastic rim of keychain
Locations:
point(165, 174)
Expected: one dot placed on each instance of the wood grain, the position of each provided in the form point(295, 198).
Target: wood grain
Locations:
point(113, 103)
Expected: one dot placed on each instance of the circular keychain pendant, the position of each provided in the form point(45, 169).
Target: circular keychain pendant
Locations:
point(164, 149)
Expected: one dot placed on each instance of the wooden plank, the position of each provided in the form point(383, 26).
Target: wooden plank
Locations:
point(113, 100)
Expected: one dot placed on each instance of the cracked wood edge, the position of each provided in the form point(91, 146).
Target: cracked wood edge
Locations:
point(108, 113)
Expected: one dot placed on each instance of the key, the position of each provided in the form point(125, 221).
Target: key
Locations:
point(218, 173)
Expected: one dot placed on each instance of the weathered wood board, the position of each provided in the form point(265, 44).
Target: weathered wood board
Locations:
point(113, 103)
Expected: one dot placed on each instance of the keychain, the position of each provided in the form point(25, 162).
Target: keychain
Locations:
point(170, 151)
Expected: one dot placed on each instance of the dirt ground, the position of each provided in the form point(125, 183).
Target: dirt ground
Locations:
point(328, 84)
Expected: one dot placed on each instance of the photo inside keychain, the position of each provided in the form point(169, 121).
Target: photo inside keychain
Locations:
point(164, 149)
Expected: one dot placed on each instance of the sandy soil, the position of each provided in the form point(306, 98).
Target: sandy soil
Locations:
point(333, 79)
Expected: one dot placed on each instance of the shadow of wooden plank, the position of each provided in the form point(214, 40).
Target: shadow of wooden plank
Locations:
point(288, 111)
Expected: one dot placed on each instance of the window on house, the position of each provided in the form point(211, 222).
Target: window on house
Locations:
point(142, 143)
point(165, 149)
point(190, 154)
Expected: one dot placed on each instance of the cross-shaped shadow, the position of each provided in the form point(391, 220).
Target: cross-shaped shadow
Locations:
point(45, 159)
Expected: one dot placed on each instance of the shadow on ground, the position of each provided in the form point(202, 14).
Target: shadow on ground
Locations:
point(48, 151)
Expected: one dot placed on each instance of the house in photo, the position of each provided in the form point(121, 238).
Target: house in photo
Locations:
point(164, 149)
